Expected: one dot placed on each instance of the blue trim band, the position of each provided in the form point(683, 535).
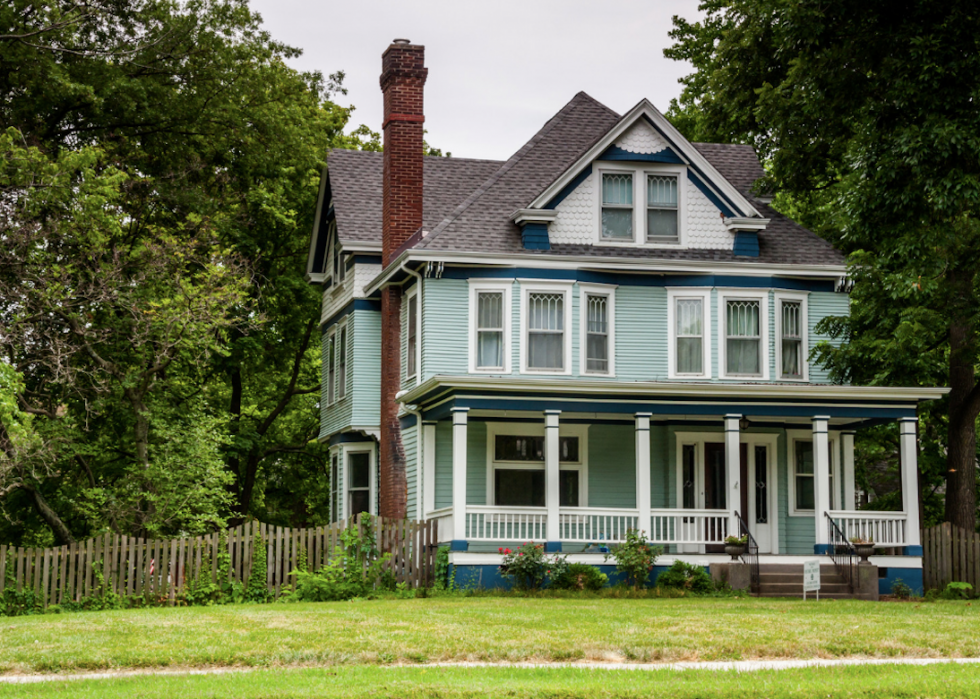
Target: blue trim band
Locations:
point(712, 197)
point(822, 549)
point(914, 551)
point(534, 236)
point(363, 259)
point(347, 437)
point(569, 188)
point(406, 421)
point(552, 547)
point(746, 244)
point(459, 545)
point(618, 154)
point(354, 305)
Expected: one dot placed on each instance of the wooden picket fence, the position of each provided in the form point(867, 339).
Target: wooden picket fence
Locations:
point(950, 554)
point(162, 568)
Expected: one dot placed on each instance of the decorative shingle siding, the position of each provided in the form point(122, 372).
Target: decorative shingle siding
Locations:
point(641, 138)
point(705, 227)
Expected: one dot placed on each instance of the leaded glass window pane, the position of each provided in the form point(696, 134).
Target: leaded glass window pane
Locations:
point(792, 339)
point(617, 206)
point(490, 330)
point(743, 344)
point(690, 336)
point(597, 334)
point(546, 331)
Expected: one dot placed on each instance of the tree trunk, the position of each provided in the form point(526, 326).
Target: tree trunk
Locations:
point(961, 477)
point(248, 486)
point(51, 517)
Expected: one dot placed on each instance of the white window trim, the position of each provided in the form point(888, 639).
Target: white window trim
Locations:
point(336, 485)
point(640, 173)
point(699, 439)
point(529, 287)
point(609, 291)
point(704, 294)
point(348, 448)
point(332, 337)
point(794, 436)
point(339, 394)
point(800, 297)
point(409, 295)
point(504, 287)
point(530, 429)
point(726, 295)
point(332, 358)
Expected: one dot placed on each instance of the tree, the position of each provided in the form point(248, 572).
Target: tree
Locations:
point(866, 116)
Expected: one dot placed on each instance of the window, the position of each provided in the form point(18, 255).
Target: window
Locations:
point(490, 330)
point(761, 482)
point(359, 484)
point(341, 390)
point(489, 327)
point(597, 335)
point(531, 448)
point(545, 319)
point(617, 206)
point(662, 209)
point(689, 315)
point(339, 263)
point(803, 460)
point(412, 321)
point(689, 324)
point(334, 488)
point(517, 470)
point(791, 327)
point(743, 340)
point(331, 367)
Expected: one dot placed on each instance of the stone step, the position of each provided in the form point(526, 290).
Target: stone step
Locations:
point(809, 595)
point(798, 578)
point(793, 588)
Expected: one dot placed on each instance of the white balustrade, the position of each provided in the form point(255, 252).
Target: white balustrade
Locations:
point(506, 523)
point(883, 528)
point(688, 526)
point(594, 525)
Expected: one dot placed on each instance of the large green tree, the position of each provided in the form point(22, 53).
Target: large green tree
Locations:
point(867, 116)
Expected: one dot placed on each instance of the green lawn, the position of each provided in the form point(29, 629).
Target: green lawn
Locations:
point(453, 683)
point(486, 629)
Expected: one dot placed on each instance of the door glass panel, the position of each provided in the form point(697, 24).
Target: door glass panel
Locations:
point(568, 488)
point(714, 478)
point(761, 486)
point(689, 476)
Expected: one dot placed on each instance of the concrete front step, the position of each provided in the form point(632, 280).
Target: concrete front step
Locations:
point(786, 580)
point(793, 588)
point(809, 595)
point(798, 578)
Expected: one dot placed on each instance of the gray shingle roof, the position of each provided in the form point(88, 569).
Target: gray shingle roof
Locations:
point(468, 203)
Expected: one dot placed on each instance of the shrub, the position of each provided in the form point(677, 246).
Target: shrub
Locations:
point(684, 576)
point(736, 540)
point(635, 558)
point(900, 589)
point(355, 569)
point(579, 576)
point(958, 590)
point(526, 566)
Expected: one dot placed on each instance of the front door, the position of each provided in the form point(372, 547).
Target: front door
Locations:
point(759, 496)
point(715, 483)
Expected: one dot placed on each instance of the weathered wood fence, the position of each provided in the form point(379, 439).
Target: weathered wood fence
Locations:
point(162, 568)
point(950, 554)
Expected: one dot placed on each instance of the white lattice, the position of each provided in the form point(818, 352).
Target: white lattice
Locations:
point(641, 138)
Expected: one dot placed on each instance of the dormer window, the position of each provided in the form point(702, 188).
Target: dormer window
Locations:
point(617, 206)
point(661, 209)
point(339, 266)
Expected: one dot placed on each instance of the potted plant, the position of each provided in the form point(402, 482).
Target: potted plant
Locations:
point(863, 547)
point(735, 546)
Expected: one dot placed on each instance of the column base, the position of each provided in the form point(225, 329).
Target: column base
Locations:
point(823, 549)
point(552, 547)
point(459, 545)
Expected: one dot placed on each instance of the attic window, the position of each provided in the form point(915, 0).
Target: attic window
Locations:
point(617, 206)
point(339, 268)
point(661, 209)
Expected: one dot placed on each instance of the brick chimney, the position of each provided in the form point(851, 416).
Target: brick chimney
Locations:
point(403, 76)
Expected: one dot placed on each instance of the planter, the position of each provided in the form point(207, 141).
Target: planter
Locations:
point(864, 551)
point(735, 550)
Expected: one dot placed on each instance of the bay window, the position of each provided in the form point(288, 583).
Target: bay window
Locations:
point(359, 482)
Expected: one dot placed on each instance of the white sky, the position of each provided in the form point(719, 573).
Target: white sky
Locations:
point(497, 70)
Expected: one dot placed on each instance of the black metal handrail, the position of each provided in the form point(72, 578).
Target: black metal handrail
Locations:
point(751, 555)
point(842, 552)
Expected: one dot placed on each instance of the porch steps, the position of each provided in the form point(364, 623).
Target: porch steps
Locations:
point(785, 580)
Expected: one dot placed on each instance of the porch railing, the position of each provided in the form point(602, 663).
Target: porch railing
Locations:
point(751, 555)
point(593, 525)
point(485, 523)
point(688, 526)
point(842, 552)
point(883, 528)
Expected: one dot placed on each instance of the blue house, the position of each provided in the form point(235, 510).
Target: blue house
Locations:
point(609, 330)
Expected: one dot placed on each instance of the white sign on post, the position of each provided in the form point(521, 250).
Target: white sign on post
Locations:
point(811, 578)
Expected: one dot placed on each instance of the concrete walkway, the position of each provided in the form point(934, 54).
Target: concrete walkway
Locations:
point(733, 665)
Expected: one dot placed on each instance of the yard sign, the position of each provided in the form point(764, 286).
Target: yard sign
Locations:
point(811, 577)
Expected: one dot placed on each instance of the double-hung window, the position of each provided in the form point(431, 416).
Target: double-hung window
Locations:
point(662, 209)
point(518, 469)
point(335, 489)
point(791, 327)
point(339, 263)
point(545, 318)
point(359, 481)
point(744, 335)
point(411, 363)
point(690, 333)
point(331, 367)
point(617, 206)
point(597, 328)
point(341, 350)
point(489, 327)
point(803, 474)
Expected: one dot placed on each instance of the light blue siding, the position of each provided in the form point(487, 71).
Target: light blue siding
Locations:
point(444, 327)
point(476, 463)
point(444, 464)
point(662, 476)
point(361, 405)
point(410, 447)
point(612, 466)
point(641, 333)
point(820, 305)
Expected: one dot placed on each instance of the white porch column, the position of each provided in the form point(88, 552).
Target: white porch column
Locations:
point(459, 477)
point(643, 471)
point(847, 449)
point(909, 451)
point(821, 483)
point(428, 468)
point(733, 463)
point(552, 461)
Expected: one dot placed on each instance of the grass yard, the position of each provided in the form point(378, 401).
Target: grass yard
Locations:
point(455, 683)
point(486, 629)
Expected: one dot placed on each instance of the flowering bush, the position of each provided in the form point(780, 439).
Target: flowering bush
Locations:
point(526, 566)
point(635, 558)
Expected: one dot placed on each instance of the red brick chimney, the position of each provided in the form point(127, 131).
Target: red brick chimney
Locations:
point(403, 74)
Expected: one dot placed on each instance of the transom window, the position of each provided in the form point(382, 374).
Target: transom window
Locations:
point(661, 209)
point(743, 341)
point(597, 334)
point(791, 340)
point(490, 330)
point(545, 331)
point(689, 320)
point(519, 474)
point(617, 206)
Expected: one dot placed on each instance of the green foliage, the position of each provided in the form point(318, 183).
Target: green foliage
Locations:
point(526, 566)
point(355, 569)
point(257, 588)
point(635, 558)
point(900, 589)
point(686, 576)
point(443, 580)
point(578, 576)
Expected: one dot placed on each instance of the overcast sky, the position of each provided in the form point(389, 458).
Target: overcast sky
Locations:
point(497, 70)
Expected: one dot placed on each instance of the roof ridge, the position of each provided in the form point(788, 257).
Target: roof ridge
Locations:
point(511, 162)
